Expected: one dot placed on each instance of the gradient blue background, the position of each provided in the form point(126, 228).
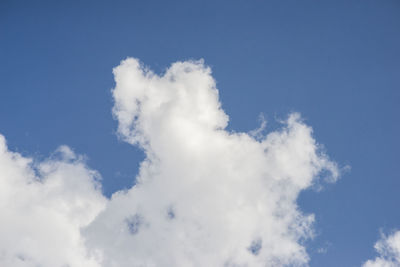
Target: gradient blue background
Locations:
point(336, 62)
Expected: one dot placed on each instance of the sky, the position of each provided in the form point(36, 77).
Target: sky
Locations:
point(130, 107)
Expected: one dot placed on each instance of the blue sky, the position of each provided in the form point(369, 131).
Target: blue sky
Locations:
point(335, 62)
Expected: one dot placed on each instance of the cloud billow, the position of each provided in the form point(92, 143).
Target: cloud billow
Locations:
point(204, 196)
point(233, 197)
point(43, 208)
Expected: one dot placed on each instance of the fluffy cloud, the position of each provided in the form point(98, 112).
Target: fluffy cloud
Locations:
point(389, 252)
point(204, 196)
point(43, 207)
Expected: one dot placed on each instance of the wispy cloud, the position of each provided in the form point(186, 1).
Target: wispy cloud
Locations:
point(388, 248)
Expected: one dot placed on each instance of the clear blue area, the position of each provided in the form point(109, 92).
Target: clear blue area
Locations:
point(336, 62)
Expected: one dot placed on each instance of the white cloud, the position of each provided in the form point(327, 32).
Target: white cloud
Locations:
point(388, 248)
point(44, 207)
point(204, 197)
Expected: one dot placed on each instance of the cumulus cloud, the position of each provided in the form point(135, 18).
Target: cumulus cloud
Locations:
point(388, 248)
point(43, 207)
point(204, 196)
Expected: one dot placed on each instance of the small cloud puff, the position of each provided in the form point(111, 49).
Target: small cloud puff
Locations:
point(388, 248)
